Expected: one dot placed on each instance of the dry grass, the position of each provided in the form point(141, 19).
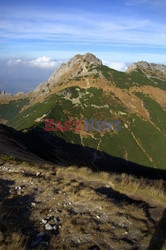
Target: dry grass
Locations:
point(13, 241)
point(95, 209)
point(152, 192)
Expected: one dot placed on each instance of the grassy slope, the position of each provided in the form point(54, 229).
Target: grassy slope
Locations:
point(157, 114)
point(123, 80)
point(152, 140)
point(123, 145)
point(75, 103)
point(10, 110)
point(27, 118)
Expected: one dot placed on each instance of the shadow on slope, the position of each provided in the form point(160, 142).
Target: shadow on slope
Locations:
point(159, 236)
point(122, 199)
point(16, 228)
point(52, 148)
point(55, 149)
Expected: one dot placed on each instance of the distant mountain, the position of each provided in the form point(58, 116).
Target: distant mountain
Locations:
point(84, 89)
point(151, 70)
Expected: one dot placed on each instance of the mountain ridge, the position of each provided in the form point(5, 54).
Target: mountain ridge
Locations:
point(149, 69)
point(83, 89)
point(83, 60)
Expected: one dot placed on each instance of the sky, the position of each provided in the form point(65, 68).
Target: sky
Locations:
point(37, 36)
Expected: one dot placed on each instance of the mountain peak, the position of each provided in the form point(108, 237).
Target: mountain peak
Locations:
point(88, 57)
point(149, 69)
point(77, 66)
point(74, 65)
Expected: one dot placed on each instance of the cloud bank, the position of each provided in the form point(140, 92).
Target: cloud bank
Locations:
point(40, 62)
point(21, 74)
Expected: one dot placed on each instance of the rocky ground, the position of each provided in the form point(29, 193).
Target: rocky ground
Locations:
point(43, 206)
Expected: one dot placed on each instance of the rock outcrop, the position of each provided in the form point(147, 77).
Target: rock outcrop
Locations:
point(78, 62)
point(149, 69)
point(78, 66)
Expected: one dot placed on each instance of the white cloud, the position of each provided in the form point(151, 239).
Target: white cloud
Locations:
point(121, 66)
point(14, 61)
point(40, 62)
point(24, 74)
point(45, 62)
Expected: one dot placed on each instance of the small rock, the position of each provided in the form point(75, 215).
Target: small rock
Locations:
point(49, 217)
point(38, 173)
point(78, 241)
point(50, 227)
point(44, 221)
point(19, 192)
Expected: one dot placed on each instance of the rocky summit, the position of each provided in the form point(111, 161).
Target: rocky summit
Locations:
point(74, 65)
point(149, 69)
point(78, 66)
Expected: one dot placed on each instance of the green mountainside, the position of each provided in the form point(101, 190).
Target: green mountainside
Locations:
point(100, 93)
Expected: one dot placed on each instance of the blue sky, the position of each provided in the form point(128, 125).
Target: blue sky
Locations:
point(121, 31)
